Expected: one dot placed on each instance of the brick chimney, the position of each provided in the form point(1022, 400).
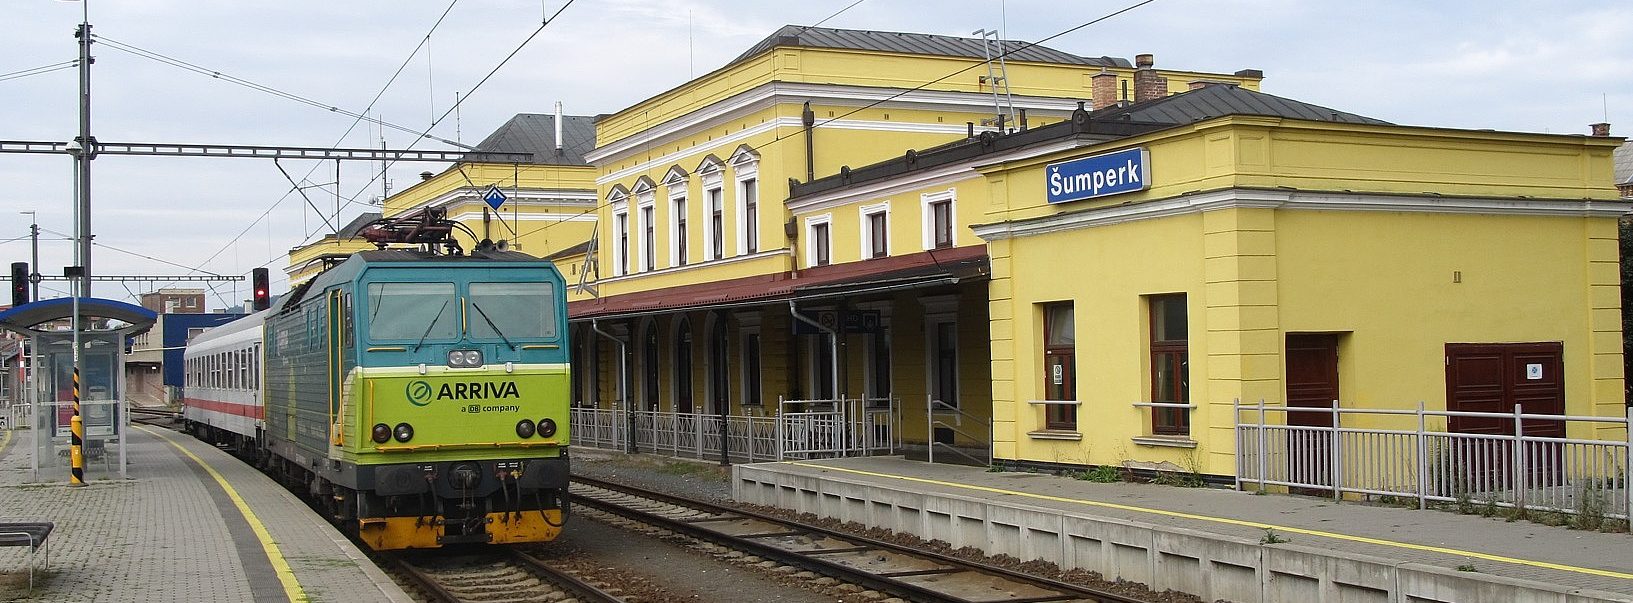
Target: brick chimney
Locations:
point(1104, 89)
point(1600, 129)
point(1147, 84)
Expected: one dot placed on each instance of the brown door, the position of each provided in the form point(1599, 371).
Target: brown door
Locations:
point(1312, 382)
point(1493, 378)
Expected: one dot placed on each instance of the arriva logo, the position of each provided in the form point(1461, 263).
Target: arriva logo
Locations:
point(419, 393)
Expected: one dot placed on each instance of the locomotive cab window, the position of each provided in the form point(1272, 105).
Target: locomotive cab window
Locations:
point(412, 312)
point(512, 311)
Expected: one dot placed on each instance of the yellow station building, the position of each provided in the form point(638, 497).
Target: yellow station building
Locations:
point(549, 204)
point(1101, 275)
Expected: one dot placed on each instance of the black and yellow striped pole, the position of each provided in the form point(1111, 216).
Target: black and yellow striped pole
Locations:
point(76, 440)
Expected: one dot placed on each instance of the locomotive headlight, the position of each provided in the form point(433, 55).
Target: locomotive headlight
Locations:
point(456, 358)
point(404, 432)
point(473, 358)
point(382, 433)
point(524, 428)
point(547, 428)
point(465, 358)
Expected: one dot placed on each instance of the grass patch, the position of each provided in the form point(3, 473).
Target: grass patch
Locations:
point(1271, 537)
point(1101, 474)
point(1467, 567)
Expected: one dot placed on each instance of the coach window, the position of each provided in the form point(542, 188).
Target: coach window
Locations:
point(412, 312)
point(348, 329)
point(512, 311)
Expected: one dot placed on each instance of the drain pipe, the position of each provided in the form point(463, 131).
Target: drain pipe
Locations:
point(808, 119)
point(833, 340)
point(623, 382)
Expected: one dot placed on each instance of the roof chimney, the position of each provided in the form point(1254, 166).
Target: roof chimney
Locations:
point(1600, 129)
point(1103, 89)
point(558, 127)
point(426, 175)
point(1147, 84)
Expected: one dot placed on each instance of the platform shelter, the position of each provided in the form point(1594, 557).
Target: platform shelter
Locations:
point(105, 327)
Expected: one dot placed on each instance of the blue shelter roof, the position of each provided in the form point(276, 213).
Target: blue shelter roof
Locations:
point(23, 319)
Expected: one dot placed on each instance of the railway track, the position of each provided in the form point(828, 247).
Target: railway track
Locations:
point(899, 571)
point(501, 576)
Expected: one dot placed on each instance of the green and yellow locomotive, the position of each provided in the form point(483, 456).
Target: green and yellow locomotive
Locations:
point(422, 397)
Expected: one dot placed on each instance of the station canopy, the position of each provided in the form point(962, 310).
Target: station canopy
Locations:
point(97, 315)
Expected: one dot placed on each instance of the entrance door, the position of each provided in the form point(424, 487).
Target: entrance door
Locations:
point(1493, 378)
point(719, 380)
point(1312, 382)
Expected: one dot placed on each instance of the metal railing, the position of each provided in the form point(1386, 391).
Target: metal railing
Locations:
point(1412, 454)
point(933, 406)
point(800, 429)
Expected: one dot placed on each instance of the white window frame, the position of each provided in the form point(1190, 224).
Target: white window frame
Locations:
point(811, 223)
point(929, 220)
point(865, 225)
point(649, 249)
point(746, 171)
point(620, 219)
point(713, 192)
point(677, 193)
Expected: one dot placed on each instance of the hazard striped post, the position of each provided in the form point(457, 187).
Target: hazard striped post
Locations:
point(76, 441)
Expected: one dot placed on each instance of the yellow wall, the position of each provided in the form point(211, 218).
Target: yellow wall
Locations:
point(1384, 280)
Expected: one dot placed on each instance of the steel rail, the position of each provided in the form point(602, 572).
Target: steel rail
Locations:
point(582, 590)
point(428, 585)
point(872, 580)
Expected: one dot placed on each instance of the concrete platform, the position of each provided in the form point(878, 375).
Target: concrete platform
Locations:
point(1209, 542)
point(190, 524)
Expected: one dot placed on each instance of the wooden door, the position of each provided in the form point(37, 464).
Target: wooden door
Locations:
point(1493, 378)
point(1312, 382)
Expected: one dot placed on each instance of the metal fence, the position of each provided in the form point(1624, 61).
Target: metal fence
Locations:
point(800, 429)
point(1413, 455)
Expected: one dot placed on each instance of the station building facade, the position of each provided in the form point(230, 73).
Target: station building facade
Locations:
point(809, 223)
point(1155, 265)
point(715, 292)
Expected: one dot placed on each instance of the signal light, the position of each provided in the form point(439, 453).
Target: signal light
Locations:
point(547, 428)
point(262, 289)
point(403, 433)
point(524, 429)
point(382, 433)
point(19, 283)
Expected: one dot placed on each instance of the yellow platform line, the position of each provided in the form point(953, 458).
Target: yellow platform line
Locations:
point(286, 574)
point(1240, 522)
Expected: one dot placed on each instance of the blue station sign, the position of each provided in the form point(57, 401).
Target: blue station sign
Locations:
point(1102, 175)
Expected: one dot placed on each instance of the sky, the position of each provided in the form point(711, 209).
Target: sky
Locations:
point(1551, 67)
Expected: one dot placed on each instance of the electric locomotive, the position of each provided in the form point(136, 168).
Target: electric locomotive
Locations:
point(422, 397)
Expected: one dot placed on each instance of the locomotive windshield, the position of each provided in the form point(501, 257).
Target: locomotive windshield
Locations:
point(513, 311)
point(412, 312)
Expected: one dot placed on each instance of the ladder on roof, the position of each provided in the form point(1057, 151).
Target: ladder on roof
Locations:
point(997, 77)
point(587, 284)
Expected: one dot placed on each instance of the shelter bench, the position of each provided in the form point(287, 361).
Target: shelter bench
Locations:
point(31, 534)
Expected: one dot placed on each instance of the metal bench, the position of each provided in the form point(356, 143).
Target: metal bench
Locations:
point(31, 534)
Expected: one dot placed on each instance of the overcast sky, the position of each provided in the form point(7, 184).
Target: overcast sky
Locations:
point(1536, 67)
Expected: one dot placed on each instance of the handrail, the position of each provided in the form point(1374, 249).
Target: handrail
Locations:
point(931, 422)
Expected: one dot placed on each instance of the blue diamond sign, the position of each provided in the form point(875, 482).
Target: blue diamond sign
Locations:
point(494, 196)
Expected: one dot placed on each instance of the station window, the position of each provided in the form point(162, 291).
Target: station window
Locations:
point(1170, 364)
point(940, 216)
point(717, 224)
point(1059, 365)
point(821, 245)
point(649, 239)
point(680, 231)
point(875, 231)
point(751, 216)
point(621, 228)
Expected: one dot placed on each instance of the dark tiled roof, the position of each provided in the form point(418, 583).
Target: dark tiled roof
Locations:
point(1624, 163)
point(579, 249)
point(536, 133)
point(1224, 99)
point(916, 43)
point(364, 219)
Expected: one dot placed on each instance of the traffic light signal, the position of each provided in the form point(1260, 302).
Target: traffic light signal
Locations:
point(263, 292)
point(19, 283)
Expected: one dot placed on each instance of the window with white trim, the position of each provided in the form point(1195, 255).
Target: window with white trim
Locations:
point(649, 238)
point(716, 222)
point(940, 219)
point(620, 234)
point(875, 229)
point(748, 239)
point(677, 229)
point(819, 240)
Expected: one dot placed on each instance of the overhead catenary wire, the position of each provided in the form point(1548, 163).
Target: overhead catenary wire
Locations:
point(349, 129)
point(1020, 47)
point(39, 70)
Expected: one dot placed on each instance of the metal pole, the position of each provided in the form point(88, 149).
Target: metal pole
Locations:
point(1518, 459)
point(1337, 461)
point(87, 152)
point(1423, 462)
point(1264, 463)
point(34, 257)
point(1627, 465)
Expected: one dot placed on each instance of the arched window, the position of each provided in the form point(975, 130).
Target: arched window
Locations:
point(683, 367)
point(719, 372)
point(649, 366)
